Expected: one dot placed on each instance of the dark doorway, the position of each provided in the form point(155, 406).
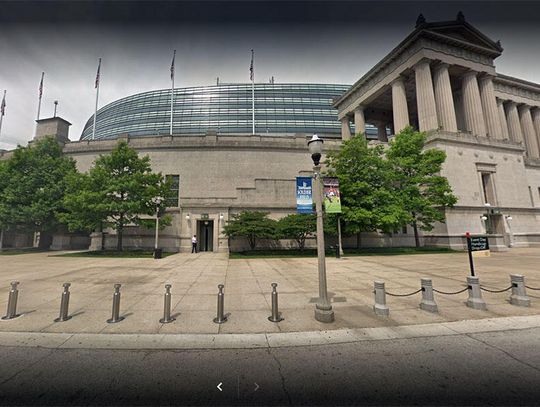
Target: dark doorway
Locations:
point(205, 235)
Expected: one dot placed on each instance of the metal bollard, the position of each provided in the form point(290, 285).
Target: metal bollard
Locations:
point(519, 294)
point(428, 301)
point(167, 306)
point(64, 305)
point(276, 315)
point(337, 252)
point(475, 294)
point(12, 302)
point(380, 307)
point(116, 306)
point(221, 317)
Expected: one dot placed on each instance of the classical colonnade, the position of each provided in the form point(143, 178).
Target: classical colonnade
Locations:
point(474, 108)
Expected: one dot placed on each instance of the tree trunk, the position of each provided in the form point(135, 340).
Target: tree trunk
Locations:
point(120, 232)
point(415, 229)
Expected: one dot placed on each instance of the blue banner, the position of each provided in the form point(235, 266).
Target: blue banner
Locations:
point(304, 195)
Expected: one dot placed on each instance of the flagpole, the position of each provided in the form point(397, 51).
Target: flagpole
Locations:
point(252, 91)
point(40, 95)
point(97, 96)
point(172, 90)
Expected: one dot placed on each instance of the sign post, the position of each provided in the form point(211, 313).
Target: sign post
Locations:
point(476, 246)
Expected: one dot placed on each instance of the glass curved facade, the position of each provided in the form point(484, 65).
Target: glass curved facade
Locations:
point(280, 109)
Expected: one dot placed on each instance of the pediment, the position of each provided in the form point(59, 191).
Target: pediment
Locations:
point(463, 32)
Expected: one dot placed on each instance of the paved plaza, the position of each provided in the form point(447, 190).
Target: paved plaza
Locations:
point(194, 279)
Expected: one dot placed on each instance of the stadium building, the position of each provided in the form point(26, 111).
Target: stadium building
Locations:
point(440, 79)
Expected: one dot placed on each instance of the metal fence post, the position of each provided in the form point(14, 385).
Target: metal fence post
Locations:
point(167, 306)
point(276, 316)
point(380, 307)
point(475, 294)
point(12, 302)
point(221, 317)
point(64, 305)
point(116, 306)
point(428, 301)
point(519, 294)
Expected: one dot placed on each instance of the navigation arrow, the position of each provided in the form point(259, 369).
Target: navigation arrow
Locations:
point(219, 386)
point(256, 387)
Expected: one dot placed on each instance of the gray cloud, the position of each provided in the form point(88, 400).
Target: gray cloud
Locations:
point(137, 58)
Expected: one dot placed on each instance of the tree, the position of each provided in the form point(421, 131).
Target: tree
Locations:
point(253, 225)
point(297, 226)
point(119, 190)
point(32, 187)
point(424, 193)
point(368, 200)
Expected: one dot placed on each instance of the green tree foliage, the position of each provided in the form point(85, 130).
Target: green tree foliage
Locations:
point(368, 200)
point(117, 191)
point(253, 225)
point(297, 226)
point(424, 193)
point(32, 186)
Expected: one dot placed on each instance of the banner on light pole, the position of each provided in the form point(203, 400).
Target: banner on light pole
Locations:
point(304, 195)
point(332, 198)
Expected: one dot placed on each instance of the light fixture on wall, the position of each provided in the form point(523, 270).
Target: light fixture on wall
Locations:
point(187, 217)
point(220, 216)
point(483, 217)
point(508, 217)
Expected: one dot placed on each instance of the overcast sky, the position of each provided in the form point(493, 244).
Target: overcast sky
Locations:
point(313, 42)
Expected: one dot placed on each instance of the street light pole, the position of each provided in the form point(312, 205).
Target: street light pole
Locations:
point(323, 308)
point(157, 252)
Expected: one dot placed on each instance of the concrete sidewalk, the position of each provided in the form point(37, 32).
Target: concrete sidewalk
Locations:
point(194, 280)
point(256, 341)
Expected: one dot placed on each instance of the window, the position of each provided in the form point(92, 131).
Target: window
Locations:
point(487, 187)
point(172, 199)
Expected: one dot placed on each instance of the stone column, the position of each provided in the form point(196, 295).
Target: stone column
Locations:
point(529, 134)
point(444, 101)
point(502, 119)
point(345, 128)
point(425, 98)
point(489, 106)
point(472, 105)
point(359, 120)
point(399, 105)
point(514, 126)
point(536, 121)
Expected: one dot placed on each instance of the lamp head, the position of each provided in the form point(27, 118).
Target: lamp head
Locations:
point(315, 148)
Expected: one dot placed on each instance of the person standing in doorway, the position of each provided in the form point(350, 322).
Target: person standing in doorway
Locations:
point(194, 244)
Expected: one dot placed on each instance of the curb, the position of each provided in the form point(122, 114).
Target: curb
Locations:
point(263, 340)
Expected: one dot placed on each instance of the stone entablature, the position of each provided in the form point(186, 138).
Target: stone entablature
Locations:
point(508, 88)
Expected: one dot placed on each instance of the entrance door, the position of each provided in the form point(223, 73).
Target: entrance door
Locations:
point(205, 235)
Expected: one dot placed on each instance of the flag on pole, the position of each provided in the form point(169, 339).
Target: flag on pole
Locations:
point(41, 85)
point(97, 75)
point(251, 72)
point(3, 105)
point(172, 66)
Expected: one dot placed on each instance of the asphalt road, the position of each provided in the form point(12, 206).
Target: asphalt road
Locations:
point(500, 368)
